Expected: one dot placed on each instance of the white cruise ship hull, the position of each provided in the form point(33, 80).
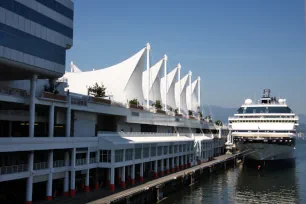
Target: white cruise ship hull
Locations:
point(265, 151)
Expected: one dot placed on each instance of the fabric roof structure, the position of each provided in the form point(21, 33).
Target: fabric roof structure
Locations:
point(155, 76)
point(122, 81)
point(170, 88)
point(74, 68)
point(192, 98)
point(180, 94)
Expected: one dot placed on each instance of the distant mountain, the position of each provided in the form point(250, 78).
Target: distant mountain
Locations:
point(220, 113)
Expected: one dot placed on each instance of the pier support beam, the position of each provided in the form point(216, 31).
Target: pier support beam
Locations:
point(123, 177)
point(133, 174)
point(168, 165)
point(141, 173)
point(72, 179)
point(112, 179)
point(66, 179)
point(29, 188)
point(49, 182)
point(155, 169)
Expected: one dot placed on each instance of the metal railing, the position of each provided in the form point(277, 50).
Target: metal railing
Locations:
point(13, 169)
point(92, 160)
point(142, 134)
point(79, 162)
point(40, 165)
point(79, 101)
point(58, 163)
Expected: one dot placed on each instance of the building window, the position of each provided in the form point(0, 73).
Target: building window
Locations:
point(165, 150)
point(119, 155)
point(171, 149)
point(145, 152)
point(128, 154)
point(153, 151)
point(138, 153)
point(105, 156)
point(159, 151)
point(175, 148)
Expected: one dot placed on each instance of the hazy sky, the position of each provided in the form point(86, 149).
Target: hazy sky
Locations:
point(237, 47)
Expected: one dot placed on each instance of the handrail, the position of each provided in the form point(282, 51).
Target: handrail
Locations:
point(13, 91)
point(40, 165)
point(58, 163)
point(13, 169)
point(92, 160)
point(79, 162)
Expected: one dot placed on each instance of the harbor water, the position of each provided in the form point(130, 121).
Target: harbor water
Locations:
point(247, 184)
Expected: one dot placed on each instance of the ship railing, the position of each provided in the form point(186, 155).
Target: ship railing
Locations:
point(137, 134)
point(79, 162)
point(58, 163)
point(13, 169)
point(40, 165)
point(13, 91)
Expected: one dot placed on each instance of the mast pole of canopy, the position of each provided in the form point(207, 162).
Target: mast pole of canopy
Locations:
point(179, 78)
point(166, 79)
point(148, 70)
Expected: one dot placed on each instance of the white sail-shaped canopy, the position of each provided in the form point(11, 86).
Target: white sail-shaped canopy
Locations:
point(74, 68)
point(123, 81)
point(155, 76)
point(170, 88)
point(192, 98)
point(180, 93)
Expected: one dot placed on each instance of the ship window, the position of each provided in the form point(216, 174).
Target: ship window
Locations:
point(280, 110)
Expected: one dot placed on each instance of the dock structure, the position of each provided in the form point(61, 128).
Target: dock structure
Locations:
point(160, 182)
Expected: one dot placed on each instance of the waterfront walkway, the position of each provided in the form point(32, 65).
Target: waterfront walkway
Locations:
point(104, 196)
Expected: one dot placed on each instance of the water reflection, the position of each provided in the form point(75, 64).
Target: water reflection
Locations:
point(245, 184)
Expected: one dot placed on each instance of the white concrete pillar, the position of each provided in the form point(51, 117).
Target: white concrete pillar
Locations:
point(182, 162)
point(87, 171)
point(66, 179)
point(190, 90)
point(162, 167)
point(112, 179)
point(155, 169)
point(68, 116)
point(178, 163)
point(141, 172)
point(50, 179)
point(72, 181)
point(166, 80)
point(199, 92)
point(32, 105)
point(98, 156)
point(172, 164)
point(179, 79)
point(123, 185)
point(133, 174)
point(168, 165)
point(29, 188)
point(51, 120)
point(149, 77)
point(186, 161)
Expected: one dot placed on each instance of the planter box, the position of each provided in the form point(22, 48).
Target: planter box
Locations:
point(178, 115)
point(192, 117)
point(160, 111)
point(101, 100)
point(136, 107)
point(53, 96)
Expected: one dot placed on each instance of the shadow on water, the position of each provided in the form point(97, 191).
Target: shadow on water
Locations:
point(275, 182)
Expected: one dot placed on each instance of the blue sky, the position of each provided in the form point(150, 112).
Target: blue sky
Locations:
point(237, 47)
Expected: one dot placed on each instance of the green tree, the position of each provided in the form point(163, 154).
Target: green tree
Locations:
point(219, 123)
point(134, 101)
point(96, 90)
point(158, 105)
point(208, 118)
point(201, 115)
point(190, 113)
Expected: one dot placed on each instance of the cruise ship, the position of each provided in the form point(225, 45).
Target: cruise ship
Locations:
point(268, 128)
point(60, 138)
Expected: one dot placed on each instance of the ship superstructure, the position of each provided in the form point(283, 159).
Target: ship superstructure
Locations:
point(267, 127)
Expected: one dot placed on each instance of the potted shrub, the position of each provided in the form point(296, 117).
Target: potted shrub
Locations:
point(190, 114)
point(52, 93)
point(159, 107)
point(176, 112)
point(135, 104)
point(98, 93)
point(219, 123)
point(208, 119)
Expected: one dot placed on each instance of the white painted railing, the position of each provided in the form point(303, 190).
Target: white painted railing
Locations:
point(13, 169)
point(79, 162)
point(40, 165)
point(144, 134)
point(58, 163)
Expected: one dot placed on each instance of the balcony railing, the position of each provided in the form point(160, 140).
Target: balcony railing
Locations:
point(92, 160)
point(40, 165)
point(79, 162)
point(13, 91)
point(53, 96)
point(58, 163)
point(13, 169)
point(79, 101)
point(137, 134)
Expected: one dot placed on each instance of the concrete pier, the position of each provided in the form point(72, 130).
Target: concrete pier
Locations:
point(176, 177)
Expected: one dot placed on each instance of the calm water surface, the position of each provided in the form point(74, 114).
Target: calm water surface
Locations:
point(248, 185)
